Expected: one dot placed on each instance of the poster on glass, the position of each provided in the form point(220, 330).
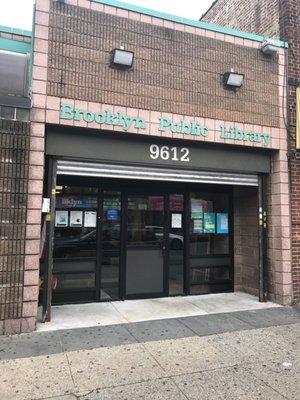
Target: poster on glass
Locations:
point(209, 222)
point(176, 220)
point(61, 218)
point(76, 218)
point(222, 223)
point(198, 225)
point(90, 219)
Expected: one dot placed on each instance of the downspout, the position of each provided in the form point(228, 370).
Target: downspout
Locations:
point(262, 236)
point(287, 122)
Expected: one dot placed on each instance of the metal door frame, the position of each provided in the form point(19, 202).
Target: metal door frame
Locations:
point(229, 191)
point(124, 221)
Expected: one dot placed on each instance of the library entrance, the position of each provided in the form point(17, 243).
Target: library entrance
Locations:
point(150, 217)
point(121, 239)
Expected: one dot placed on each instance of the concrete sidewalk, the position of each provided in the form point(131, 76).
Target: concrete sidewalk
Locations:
point(121, 312)
point(241, 355)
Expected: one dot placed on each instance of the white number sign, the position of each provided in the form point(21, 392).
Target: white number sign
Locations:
point(166, 153)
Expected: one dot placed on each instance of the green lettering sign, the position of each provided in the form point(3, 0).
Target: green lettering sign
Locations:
point(238, 135)
point(107, 117)
point(184, 126)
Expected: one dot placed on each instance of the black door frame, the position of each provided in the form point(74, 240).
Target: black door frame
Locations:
point(124, 220)
point(144, 187)
point(50, 192)
point(212, 189)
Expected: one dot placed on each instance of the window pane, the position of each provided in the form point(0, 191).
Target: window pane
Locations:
point(211, 268)
point(75, 244)
point(210, 274)
point(22, 114)
point(7, 112)
point(111, 241)
point(75, 282)
point(176, 244)
point(209, 227)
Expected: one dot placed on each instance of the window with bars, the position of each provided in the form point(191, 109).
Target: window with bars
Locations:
point(14, 158)
point(14, 113)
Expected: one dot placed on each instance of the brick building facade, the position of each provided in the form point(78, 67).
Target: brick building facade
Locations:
point(276, 19)
point(90, 118)
point(260, 17)
point(14, 180)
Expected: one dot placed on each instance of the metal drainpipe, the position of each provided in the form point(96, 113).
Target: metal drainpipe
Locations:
point(287, 122)
point(51, 193)
point(262, 236)
point(290, 152)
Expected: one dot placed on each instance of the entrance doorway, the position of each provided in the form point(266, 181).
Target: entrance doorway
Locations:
point(117, 239)
point(145, 245)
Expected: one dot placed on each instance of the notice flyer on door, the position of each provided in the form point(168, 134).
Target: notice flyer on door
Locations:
point(90, 219)
point(209, 222)
point(76, 218)
point(61, 218)
point(176, 220)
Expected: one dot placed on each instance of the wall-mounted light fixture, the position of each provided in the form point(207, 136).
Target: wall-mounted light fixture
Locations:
point(233, 80)
point(268, 48)
point(121, 58)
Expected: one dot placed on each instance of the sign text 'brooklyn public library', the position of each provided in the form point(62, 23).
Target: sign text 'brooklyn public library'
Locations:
point(151, 174)
point(184, 126)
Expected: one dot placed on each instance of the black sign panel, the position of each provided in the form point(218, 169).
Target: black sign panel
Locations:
point(83, 144)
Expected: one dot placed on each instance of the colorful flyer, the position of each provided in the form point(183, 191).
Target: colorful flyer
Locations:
point(209, 220)
point(198, 226)
point(196, 215)
point(196, 205)
point(222, 223)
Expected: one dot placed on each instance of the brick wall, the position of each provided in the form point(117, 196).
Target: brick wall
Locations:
point(290, 31)
point(255, 16)
point(286, 15)
point(174, 72)
point(14, 169)
point(71, 52)
point(246, 251)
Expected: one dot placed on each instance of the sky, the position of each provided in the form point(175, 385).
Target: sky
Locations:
point(18, 13)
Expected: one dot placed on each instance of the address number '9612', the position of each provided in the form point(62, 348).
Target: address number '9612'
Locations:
point(166, 153)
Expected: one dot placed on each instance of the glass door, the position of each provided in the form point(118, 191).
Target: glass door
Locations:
point(145, 246)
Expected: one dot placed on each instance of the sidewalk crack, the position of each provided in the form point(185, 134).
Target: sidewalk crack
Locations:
point(68, 361)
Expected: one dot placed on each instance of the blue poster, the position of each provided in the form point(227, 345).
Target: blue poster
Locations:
point(209, 222)
point(222, 223)
point(112, 215)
